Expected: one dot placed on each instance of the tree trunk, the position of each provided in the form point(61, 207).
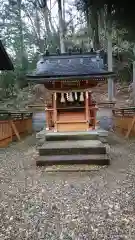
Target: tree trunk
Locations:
point(96, 33)
point(88, 18)
point(50, 21)
point(44, 9)
point(20, 32)
point(40, 41)
point(61, 34)
point(94, 26)
point(110, 63)
point(46, 18)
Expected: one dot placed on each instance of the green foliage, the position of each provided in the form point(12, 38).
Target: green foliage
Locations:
point(125, 75)
point(120, 13)
point(24, 33)
point(7, 82)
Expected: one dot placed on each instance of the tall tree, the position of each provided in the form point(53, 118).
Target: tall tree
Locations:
point(44, 8)
point(61, 27)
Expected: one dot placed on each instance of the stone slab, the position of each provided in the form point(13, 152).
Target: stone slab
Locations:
point(73, 168)
point(102, 132)
point(72, 144)
point(59, 136)
point(41, 134)
point(71, 133)
point(72, 147)
point(98, 159)
point(92, 134)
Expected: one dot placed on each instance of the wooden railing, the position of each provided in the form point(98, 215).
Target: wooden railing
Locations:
point(12, 125)
point(123, 120)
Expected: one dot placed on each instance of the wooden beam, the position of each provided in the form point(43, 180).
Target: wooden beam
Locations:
point(55, 111)
point(47, 118)
point(15, 130)
point(130, 128)
point(87, 108)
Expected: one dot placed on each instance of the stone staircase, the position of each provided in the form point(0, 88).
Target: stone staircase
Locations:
point(72, 148)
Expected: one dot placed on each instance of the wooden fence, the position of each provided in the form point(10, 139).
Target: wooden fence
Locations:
point(124, 121)
point(13, 125)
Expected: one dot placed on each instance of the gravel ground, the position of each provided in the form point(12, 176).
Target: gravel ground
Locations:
point(91, 205)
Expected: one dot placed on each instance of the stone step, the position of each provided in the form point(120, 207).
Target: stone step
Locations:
point(62, 136)
point(82, 135)
point(73, 168)
point(98, 159)
point(72, 148)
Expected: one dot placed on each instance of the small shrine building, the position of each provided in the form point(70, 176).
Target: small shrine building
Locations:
point(70, 78)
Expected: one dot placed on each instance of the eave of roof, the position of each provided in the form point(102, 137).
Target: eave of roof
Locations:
point(43, 79)
point(5, 61)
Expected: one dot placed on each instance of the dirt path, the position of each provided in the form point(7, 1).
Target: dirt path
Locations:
point(91, 205)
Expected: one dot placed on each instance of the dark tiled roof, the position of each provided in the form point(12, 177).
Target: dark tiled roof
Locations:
point(5, 62)
point(69, 66)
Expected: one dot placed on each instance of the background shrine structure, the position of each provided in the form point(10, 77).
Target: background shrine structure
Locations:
point(12, 123)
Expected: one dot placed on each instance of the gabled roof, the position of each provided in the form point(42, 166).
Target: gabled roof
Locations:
point(69, 66)
point(5, 62)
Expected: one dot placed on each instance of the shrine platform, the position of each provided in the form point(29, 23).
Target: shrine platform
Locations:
point(72, 148)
